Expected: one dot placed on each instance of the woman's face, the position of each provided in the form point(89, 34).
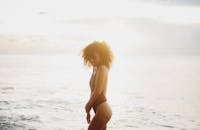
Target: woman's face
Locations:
point(95, 59)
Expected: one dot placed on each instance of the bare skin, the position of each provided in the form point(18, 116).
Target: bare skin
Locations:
point(103, 111)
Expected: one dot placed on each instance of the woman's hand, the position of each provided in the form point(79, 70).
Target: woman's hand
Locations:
point(88, 118)
point(87, 109)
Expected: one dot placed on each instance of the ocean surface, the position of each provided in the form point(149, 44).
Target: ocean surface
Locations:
point(149, 92)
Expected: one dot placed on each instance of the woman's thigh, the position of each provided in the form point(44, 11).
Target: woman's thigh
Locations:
point(97, 123)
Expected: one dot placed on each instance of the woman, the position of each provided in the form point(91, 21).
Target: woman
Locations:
point(98, 56)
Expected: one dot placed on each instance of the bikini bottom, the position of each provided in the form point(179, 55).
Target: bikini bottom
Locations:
point(99, 100)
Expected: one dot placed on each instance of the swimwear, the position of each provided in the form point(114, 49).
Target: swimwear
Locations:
point(99, 100)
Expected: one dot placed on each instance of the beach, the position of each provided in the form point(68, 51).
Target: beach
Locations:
point(49, 91)
point(153, 83)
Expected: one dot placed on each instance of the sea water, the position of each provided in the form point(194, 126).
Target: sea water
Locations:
point(49, 92)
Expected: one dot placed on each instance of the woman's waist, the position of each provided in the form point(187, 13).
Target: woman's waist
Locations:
point(99, 100)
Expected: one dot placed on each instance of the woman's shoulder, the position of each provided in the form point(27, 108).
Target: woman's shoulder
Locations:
point(102, 69)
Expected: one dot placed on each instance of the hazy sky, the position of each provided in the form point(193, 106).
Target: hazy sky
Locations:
point(138, 24)
point(176, 2)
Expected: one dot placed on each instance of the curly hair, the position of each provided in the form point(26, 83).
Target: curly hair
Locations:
point(106, 55)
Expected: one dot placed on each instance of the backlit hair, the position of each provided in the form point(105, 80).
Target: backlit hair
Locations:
point(104, 51)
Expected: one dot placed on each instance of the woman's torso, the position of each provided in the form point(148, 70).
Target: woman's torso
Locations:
point(93, 80)
point(102, 97)
point(100, 106)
